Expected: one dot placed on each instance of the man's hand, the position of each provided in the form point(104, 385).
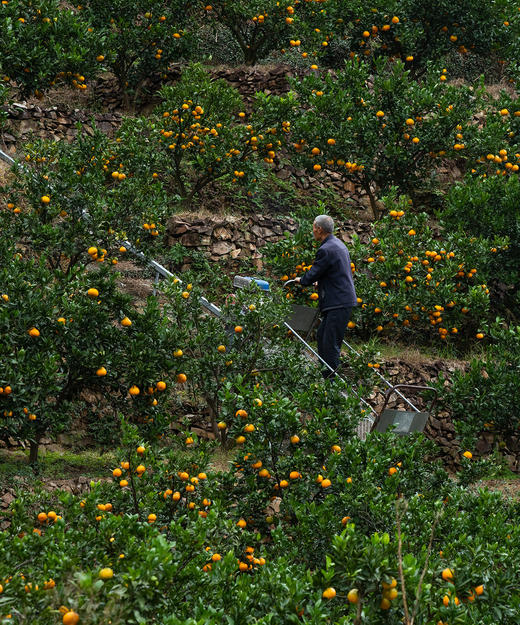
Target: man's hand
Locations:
point(298, 280)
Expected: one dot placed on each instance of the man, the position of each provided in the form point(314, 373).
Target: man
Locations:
point(332, 271)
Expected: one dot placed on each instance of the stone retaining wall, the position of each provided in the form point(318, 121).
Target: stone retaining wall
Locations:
point(235, 238)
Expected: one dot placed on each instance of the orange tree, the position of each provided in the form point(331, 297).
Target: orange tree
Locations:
point(409, 278)
point(70, 198)
point(136, 40)
point(259, 27)
point(68, 334)
point(199, 135)
point(246, 345)
point(42, 43)
point(416, 31)
point(376, 130)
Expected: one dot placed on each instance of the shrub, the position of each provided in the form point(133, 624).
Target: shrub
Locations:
point(197, 136)
point(489, 208)
point(485, 398)
point(135, 40)
point(43, 43)
point(376, 127)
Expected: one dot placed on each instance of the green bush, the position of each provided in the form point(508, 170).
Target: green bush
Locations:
point(42, 43)
point(375, 126)
point(485, 398)
point(135, 40)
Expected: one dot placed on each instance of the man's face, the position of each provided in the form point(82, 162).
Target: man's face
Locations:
point(317, 232)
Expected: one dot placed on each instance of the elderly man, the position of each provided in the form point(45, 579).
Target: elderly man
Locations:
point(332, 271)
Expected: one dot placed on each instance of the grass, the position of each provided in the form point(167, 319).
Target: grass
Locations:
point(53, 465)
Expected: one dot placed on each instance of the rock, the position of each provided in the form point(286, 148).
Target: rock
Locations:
point(222, 233)
point(221, 248)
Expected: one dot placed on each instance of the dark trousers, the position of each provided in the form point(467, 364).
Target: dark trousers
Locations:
point(330, 335)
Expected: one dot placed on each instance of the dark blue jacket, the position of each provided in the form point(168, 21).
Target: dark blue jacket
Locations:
point(332, 270)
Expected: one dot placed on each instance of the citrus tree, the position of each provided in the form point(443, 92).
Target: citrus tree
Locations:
point(259, 27)
point(376, 130)
point(44, 43)
point(199, 135)
point(415, 31)
point(136, 40)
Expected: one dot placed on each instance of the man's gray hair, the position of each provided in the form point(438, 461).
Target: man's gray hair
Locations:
point(325, 222)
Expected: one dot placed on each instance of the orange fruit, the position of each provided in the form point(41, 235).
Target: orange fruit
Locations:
point(177, 353)
point(295, 439)
point(152, 518)
point(353, 595)
point(221, 348)
point(479, 589)
point(93, 293)
point(125, 321)
point(216, 557)
point(101, 372)
point(329, 593)
point(106, 573)
point(181, 378)
point(140, 450)
point(70, 618)
point(238, 329)
point(447, 574)
point(161, 386)
point(134, 390)
point(33, 332)
point(468, 454)
point(45, 199)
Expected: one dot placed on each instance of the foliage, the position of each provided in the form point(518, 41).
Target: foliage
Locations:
point(415, 31)
point(258, 27)
point(196, 137)
point(135, 40)
point(42, 43)
point(376, 127)
point(165, 518)
point(489, 207)
point(485, 398)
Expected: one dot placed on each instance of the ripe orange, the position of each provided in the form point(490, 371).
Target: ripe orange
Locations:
point(140, 450)
point(101, 372)
point(392, 470)
point(152, 518)
point(468, 454)
point(447, 575)
point(117, 472)
point(221, 425)
point(93, 293)
point(106, 573)
point(216, 557)
point(353, 595)
point(177, 353)
point(238, 329)
point(134, 390)
point(125, 321)
point(181, 378)
point(161, 386)
point(45, 199)
point(221, 348)
point(33, 332)
point(70, 618)
point(479, 589)
point(295, 439)
point(329, 593)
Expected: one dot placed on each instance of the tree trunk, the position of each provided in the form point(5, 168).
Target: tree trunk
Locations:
point(33, 451)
